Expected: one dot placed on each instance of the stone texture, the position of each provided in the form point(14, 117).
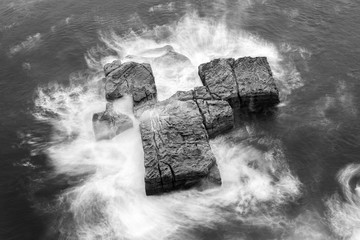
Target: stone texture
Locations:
point(256, 85)
point(245, 83)
point(219, 78)
point(108, 68)
point(108, 124)
point(217, 116)
point(134, 79)
point(176, 149)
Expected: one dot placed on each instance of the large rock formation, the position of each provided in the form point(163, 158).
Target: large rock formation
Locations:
point(109, 123)
point(130, 78)
point(246, 82)
point(176, 132)
point(177, 153)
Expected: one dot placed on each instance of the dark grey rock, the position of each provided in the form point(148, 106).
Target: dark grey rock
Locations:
point(219, 78)
point(176, 149)
point(245, 83)
point(108, 124)
point(108, 68)
point(132, 79)
point(217, 116)
point(256, 85)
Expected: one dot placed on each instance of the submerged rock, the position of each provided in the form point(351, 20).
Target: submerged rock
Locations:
point(134, 79)
point(108, 124)
point(176, 149)
point(245, 83)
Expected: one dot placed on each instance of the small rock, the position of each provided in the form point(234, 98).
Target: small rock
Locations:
point(108, 124)
point(109, 67)
point(134, 79)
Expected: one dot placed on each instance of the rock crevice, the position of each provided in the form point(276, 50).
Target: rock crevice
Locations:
point(175, 133)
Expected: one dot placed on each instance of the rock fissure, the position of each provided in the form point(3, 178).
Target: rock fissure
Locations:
point(175, 132)
point(172, 173)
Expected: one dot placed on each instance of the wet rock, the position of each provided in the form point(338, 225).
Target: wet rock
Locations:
point(108, 68)
point(217, 114)
point(172, 58)
point(134, 79)
point(219, 78)
point(176, 149)
point(256, 85)
point(245, 83)
point(108, 124)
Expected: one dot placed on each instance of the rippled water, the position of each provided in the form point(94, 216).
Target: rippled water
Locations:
point(294, 176)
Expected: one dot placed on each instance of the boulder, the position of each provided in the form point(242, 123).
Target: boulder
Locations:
point(109, 67)
point(109, 123)
point(256, 85)
point(172, 59)
point(219, 78)
point(217, 114)
point(245, 83)
point(134, 79)
point(177, 153)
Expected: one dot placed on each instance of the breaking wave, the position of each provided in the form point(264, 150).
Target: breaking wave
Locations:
point(30, 43)
point(111, 202)
point(197, 40)
point(344, 208)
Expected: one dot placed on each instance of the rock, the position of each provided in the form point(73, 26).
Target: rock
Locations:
point(256, 85)
point(134, 79)
point(245, 83)
point(108, 124)
point(176, 149)
point(172, 59)
point(217, 114)
point(219, 78)
point(108, 68)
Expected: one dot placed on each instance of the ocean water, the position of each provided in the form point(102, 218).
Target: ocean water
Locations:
point(293, 176)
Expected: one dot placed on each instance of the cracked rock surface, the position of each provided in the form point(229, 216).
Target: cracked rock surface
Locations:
point(109, 123)
point(246, 82)
point(217, 114)
point(130, 78)
point(177, 153)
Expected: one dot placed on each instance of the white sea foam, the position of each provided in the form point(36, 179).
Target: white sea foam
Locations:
point(200, 40)
point(30, 43)
point(344, 208)
point(111, 203)
point(169, 7)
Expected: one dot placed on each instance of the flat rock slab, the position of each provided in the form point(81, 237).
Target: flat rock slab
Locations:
point(256, 85)
point(108, 124)
point(176, 149)
point(130, 78)
point(217, 115)
point(244, 83)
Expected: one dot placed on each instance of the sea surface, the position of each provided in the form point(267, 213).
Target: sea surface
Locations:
point(292, 176)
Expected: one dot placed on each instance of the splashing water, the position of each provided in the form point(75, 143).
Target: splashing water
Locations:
point(199, 40)
point(344, 210)
point(111, 203)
